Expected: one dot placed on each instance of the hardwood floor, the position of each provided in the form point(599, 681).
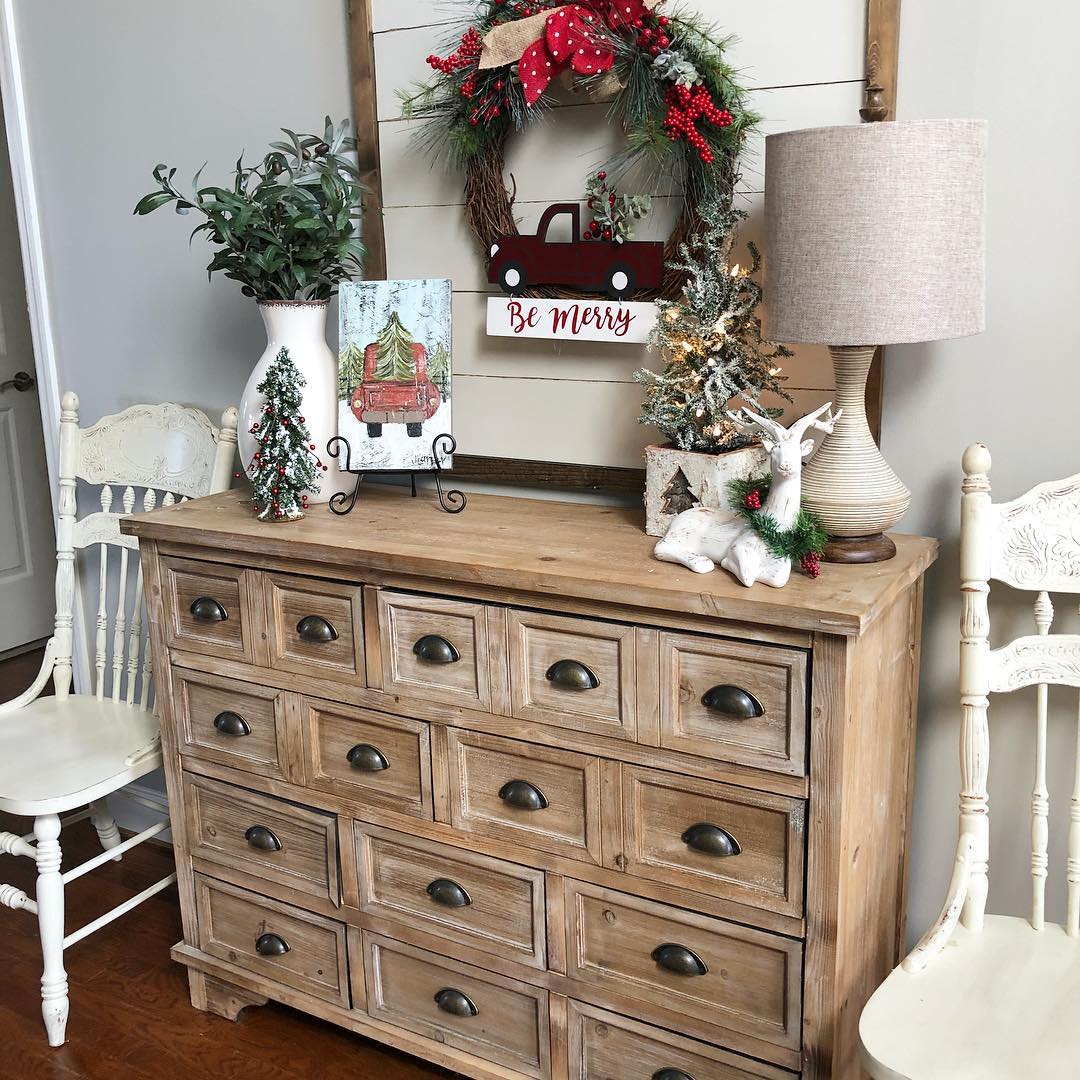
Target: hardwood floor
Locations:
point(130, 1012)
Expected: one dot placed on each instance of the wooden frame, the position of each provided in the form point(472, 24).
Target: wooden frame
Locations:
point(882, 56)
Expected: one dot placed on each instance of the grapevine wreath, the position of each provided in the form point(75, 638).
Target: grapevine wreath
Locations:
point(677, 100)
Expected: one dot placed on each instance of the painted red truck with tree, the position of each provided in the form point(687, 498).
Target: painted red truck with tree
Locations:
point(396, 387)
point(517, 262)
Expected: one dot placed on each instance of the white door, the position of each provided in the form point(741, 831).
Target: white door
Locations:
point(27, 539)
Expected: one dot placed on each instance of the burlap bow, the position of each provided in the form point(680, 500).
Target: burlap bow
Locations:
point(561, 40)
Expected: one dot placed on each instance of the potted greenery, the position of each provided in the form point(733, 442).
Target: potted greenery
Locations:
point(287, 230)
point(714, 360)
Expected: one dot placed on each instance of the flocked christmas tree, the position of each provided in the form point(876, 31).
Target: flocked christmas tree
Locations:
point(285, 466)
point(395, 357)
point(711, 344)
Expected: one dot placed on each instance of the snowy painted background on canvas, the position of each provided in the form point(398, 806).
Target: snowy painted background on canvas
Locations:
point(394, 371)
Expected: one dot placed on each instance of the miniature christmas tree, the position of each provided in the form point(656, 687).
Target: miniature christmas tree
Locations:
point(350, 370)
point(678, 496)
point(439, 368)
point(395, 357)
point(711, 343)
point(285, 466)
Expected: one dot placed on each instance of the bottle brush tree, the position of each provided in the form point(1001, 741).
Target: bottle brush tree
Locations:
point(285, 466)
point(710, 341)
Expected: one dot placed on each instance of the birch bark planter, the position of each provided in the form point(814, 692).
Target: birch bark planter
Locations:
point(676, 480)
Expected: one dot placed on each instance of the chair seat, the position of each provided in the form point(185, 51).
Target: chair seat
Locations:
point(996, 1004)
point(56, 755)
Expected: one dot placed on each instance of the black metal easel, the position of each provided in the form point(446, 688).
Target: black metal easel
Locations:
point(452, 500)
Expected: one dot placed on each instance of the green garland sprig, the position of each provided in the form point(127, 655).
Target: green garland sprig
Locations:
point(804, 541)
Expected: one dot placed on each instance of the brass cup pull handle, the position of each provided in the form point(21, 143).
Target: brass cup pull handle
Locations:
point(316, 629)
point(207, 609)
point(455, 1002)
point(448, 893)
point(230, 723)
point(260, 837)
point(271, 945)
point(367, 758)
point(711, 840)
point(572, 675)
point(436, 650)
point(732, 701)
point(671, 1074)
point(679, 960)
point(523, 795)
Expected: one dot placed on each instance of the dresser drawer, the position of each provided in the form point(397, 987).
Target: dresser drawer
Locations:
point(434, 649)
point(734, 701)
point(208, 608)
point(573, 673)
point(524, 794)
point(295, 948)
point(264, 836)
point(728, 841)
point(499, 1019)
point(372, 757)
point(315, 627)
point(606, 1046)
point(722, 974)
point(230, 723)
point(474, 900)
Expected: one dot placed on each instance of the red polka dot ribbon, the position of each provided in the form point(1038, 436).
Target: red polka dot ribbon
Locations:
point(572, 40)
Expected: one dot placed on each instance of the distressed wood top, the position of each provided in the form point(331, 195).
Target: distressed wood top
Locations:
point(549, 548)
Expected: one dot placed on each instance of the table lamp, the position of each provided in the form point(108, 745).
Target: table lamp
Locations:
point(874, 236)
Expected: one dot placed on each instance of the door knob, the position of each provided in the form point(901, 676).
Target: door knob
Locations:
point(21, 381)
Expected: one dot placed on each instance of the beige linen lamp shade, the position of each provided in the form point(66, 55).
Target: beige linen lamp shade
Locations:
point(874, 236)
point(875, 233)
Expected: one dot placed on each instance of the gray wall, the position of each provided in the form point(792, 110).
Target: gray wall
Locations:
point(1016, 387)
point(114, 87)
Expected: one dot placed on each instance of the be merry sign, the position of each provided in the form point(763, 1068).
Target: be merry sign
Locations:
point(570, 320)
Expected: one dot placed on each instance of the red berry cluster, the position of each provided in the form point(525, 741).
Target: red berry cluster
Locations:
point(466, 56)
point(685, 108)
point(594, 230)
point(811, 563)
point(753, 500)
point(489, 106)
point(520, 10)
point(652, 34)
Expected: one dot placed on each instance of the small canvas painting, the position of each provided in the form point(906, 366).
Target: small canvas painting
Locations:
point(394, 372)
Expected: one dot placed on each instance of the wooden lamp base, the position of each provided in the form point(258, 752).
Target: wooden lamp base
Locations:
point(847, 483)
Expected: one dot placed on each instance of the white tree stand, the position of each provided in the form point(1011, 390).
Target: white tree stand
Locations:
point(987, 996)
point(69, 751)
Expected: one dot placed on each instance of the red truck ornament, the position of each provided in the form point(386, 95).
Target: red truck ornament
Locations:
point(385, 397)
point(517, 262)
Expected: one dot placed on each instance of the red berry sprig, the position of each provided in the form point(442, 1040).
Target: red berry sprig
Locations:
point(753, 500)
point(685, 108)
point(811, 563)
point(467, 54)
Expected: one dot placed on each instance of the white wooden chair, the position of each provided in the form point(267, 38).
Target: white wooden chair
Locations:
point(980, 995)
point(68, 751)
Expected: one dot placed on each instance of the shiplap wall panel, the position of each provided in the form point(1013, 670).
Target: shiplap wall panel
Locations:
point(576, 401)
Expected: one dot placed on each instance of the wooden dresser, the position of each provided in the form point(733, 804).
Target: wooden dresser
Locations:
point(501, 790)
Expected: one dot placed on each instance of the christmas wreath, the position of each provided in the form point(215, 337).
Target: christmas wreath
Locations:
point(678, 102)
point(803, 542)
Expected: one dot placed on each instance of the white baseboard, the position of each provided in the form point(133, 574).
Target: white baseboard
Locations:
point(133, 816)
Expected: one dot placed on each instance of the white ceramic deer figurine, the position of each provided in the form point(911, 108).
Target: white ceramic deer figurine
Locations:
point(700, 538)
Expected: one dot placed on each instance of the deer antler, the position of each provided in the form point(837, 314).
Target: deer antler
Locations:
point(748, 421)
point(813, 421)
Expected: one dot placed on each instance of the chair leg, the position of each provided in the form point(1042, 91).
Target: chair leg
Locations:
point(50, 900)
point(108, 833)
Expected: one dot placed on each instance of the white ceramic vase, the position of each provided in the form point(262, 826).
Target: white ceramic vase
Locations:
point(299, 326)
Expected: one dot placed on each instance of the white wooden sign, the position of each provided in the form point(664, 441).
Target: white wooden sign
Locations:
point(570, 320)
